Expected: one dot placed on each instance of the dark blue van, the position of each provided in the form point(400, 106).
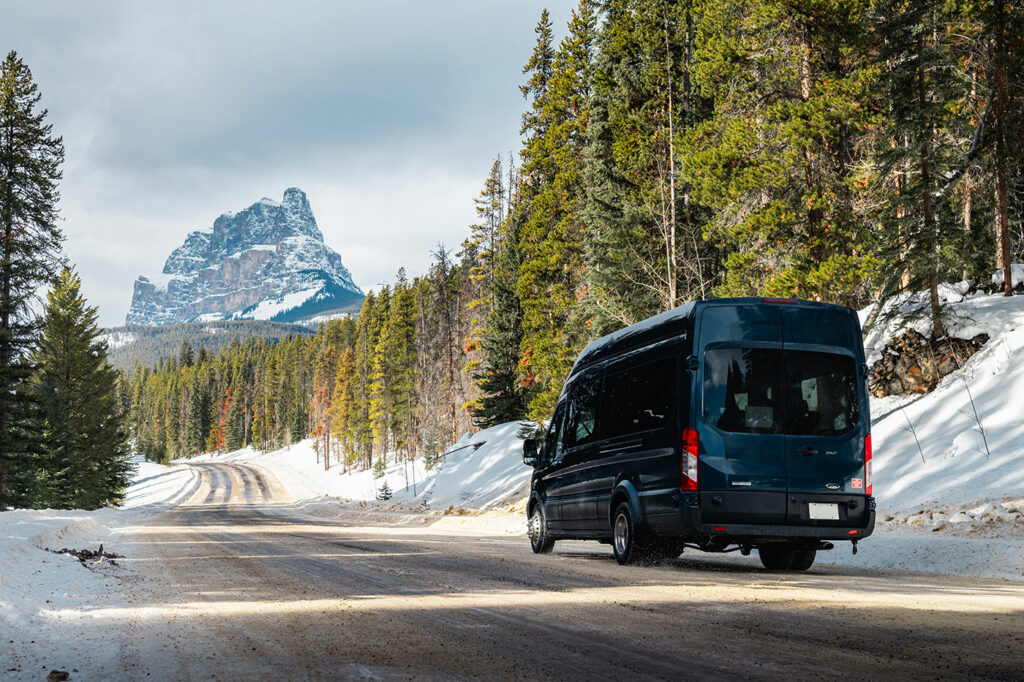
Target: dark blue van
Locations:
point(721, 425)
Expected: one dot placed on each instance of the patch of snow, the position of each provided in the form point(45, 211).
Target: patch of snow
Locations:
point(117, 339)
point(265, 310)
point(1016, 275)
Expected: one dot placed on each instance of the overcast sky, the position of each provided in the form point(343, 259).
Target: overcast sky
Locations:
point(388, 114)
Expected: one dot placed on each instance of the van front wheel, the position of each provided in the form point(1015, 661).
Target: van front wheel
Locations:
point(540, 541)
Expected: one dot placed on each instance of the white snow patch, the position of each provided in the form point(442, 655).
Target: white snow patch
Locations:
point(1016, 275)
point(117, 339)
point(264, 310)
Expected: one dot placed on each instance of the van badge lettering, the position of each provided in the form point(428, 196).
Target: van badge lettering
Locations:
point(739, 482)
point(857, 483)
point(831, 452)
point(833, 486)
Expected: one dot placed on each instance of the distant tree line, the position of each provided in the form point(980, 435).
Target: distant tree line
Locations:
point(62, 441)
point(145, 346)
point(671, 151)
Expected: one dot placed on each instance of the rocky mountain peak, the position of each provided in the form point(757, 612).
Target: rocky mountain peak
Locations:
point(267, 261)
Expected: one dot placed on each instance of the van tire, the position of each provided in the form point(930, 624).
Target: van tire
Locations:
point(537, 528)
point(803, 558)
point(667, 549)
point(777, 556)
point(627, 545)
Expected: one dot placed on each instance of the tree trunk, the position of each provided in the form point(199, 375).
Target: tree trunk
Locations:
point(673, 275)
point(1002, 210)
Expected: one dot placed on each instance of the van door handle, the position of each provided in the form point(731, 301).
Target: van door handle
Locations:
point(807, 451)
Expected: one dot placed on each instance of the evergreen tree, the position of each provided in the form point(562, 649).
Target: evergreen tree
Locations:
point(790, 86)
point(185, 355)
point(234, 420)
point(916, 148)
point(550, 282)
point(86, 459)
point(30, 159)
point(502, 398)
point(645, 249)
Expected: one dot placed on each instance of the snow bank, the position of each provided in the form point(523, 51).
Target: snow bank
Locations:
point(157, 484)
point(482, 471)
point(970, 429)
point(31, 576)
point(1016, 275)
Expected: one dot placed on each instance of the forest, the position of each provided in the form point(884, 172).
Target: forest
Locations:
point(844, 151)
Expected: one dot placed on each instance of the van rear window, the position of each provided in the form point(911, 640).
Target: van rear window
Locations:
point(756, 390)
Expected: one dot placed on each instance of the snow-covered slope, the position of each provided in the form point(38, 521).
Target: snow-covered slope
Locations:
point(482, 471)
point(266, 262)
point(969, 444)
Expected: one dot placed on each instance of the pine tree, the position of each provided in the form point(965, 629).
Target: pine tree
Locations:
point(342, 410)
point(502, 398)
point(790, 88)
point(234, 419)
point(916, 149)
point(30, 159)
point(86, 460)
point(186, 357)
point(550, 281)
point(999, 48)
point(646, 252)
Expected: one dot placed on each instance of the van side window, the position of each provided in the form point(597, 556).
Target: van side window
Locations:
point(581, 425)
point(638, 398)
point(739, 393)
point(554, 449)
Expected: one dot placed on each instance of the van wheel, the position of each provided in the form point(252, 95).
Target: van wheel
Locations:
point(803, 558)
point(626, 546)
point(777, 557)
point(537, 529)
point(668, 549)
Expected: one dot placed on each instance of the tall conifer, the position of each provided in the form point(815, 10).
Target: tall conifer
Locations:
point(30, 241)
point(86, 453)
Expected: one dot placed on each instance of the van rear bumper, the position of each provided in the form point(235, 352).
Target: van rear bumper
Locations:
point(735, 532)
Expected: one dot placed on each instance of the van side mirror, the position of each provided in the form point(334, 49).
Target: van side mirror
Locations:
point(530, 455)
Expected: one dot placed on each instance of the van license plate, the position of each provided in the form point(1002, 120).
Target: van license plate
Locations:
point(823, 512)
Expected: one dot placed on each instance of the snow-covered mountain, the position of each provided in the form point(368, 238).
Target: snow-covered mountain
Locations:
point(267, 262)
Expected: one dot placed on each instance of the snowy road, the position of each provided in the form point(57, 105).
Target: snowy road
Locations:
point(236, 584)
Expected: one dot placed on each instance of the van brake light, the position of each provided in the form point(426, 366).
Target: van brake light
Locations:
point(689, 458)
point(786, 301)
point(867, 464)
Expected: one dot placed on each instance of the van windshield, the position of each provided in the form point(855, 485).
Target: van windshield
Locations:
point(759, 390)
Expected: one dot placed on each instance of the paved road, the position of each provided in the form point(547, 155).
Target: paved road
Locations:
point(237, 585)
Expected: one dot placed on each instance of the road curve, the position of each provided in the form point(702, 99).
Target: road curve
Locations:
point(237, 584)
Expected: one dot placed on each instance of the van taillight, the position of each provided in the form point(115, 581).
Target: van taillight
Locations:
point(867, 464)
point(689, 459)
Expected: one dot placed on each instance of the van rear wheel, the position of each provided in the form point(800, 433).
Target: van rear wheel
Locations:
point(786, 557)
point(537, 528)
point(776, 557)
point(625, 545)
point(668, 549)
point(803, 558)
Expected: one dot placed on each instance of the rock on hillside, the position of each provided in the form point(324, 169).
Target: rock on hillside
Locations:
point(267, 262)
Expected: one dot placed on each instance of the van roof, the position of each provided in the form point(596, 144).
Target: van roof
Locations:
point(675, 322)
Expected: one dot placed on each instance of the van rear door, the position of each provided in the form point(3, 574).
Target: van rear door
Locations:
point(825, 423)
point(743, 476)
